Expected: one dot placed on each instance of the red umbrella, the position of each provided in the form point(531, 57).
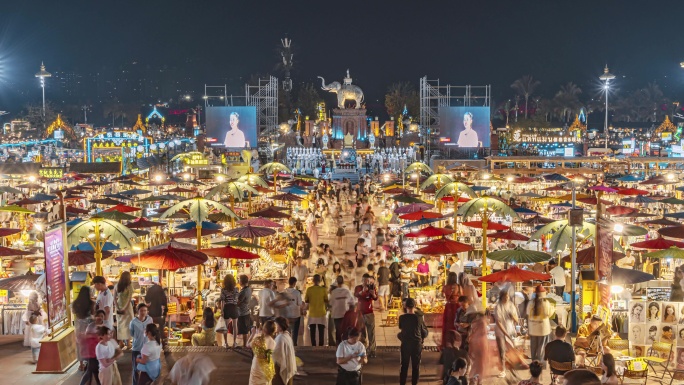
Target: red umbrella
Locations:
point(637, 214)
point(510, 235)
point(263, 222)
point(414, 216)
point(76, 210)
point(144, 223)
point(79, 257)
point(515, 274)
point(490, 225)
point(249, 231)
point(9, 252)
point(592, 201)
point(192, 233)
point(6, 232)
point(524, 179)
point(673, 232)
point(230, 252)
point(123, 208)
point(659, 243)
point(262, 189)
point(443, 246)
point(168, 258)
point(413, 207)
point(270, 212)
point(450, 198)
point(430, 231)
point(620, 210)
point(605, 189)
point(631, 191)
point(287, 197)
point(430, 190)
point(588, 256)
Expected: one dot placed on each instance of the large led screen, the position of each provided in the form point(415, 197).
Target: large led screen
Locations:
point(466, 127)
point(231, 127)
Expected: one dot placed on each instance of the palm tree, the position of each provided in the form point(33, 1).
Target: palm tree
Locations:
point(525, 86)
point(567, 100)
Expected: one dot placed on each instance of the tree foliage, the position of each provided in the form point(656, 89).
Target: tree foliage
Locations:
point(524, 87)
point(402, 94)
point(307, 98)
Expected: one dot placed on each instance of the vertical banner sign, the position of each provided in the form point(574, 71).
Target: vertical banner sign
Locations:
point(55, 279)
point(605, 252)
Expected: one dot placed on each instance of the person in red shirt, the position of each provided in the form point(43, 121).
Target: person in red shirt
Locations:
point(366, 293)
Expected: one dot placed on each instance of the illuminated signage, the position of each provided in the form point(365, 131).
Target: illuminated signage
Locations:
point(195, 160)
point(51, 172)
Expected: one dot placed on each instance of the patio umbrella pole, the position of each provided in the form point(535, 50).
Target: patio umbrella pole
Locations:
point(98, 250)
point(199, 267)
point(597, 243)
point(485, 220)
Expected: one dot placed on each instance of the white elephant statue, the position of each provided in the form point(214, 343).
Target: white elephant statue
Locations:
point(344, 92)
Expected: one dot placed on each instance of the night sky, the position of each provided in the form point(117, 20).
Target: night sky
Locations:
point(381, 41)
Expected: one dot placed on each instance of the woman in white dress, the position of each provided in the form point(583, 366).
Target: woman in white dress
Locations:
point(262, 344)
point(284, 354)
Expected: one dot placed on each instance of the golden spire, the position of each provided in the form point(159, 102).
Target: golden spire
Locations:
point(60, 124)
point(577, 125)
point(666, 126)
point(139, 125)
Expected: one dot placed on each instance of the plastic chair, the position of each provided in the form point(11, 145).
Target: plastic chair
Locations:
point(636, 372)
point(659, 355)
point(392, 317)
point(619, 345)
point(558, 369)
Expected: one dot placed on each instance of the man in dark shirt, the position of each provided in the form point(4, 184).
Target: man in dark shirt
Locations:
point(157, 306)
point(245, 315)
point(558, 350)
point(383, 283)
point(411, 336)
point(366, 293)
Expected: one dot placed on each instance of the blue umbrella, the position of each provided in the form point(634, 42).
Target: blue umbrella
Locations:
point(629, 276)
point(85, 246)
point(678, 215)
point(118, 196)
point(205, 225)
point(43, 197)
point(629, 178)
point(525, 211)
point(74, 222)
point(479, 188)
point(555, 178)
point(420, 222)
point(564, 204)
point(294, 190)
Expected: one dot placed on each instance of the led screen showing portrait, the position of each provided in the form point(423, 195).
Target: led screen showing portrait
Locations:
point(231, 127)
point(466, 127)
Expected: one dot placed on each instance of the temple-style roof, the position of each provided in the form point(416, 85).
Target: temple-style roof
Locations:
point(666, 126)
point(577, 125)
point(139, 125)
point(60, 124)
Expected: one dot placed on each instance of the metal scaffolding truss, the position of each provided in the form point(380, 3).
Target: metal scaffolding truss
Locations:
point(264, 97)
point(433, 95)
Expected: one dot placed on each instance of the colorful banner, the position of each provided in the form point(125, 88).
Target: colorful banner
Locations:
point(55, 279)
point(605, 252)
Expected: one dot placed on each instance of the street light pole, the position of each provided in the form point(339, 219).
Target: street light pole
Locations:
point(606, 77)
point(573, 270)
point(42, 75)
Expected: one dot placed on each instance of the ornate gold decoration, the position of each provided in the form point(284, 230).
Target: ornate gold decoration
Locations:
point(577, 125)
point(666, 126)
point(60, 124)
point(139, 125)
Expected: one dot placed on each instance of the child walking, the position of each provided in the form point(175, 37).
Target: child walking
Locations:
point(107, 352)
point(36, 334)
